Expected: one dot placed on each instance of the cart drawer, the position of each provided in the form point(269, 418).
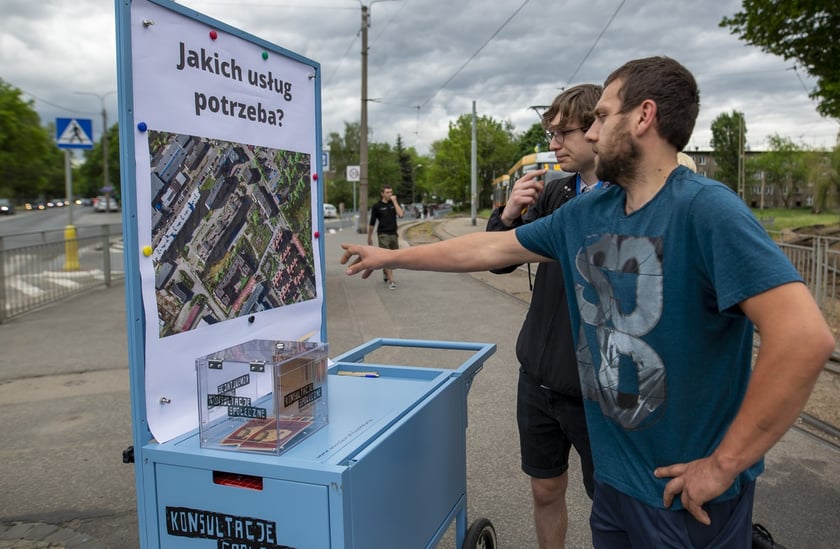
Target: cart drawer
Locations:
point(198, 508)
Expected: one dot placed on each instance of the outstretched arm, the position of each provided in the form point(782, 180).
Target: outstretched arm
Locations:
point(468, 253)
point(795, 343)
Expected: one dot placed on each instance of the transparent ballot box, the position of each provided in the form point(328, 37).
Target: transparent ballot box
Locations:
point(262, 396)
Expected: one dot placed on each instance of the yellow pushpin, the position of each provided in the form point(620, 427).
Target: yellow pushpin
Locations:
point(147, 250)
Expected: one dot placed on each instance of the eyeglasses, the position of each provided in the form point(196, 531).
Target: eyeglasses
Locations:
point(560, 135)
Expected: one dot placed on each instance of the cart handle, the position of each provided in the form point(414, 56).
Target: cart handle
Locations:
point(469, 367)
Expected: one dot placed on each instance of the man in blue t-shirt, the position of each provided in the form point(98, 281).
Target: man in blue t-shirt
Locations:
point(667, 274)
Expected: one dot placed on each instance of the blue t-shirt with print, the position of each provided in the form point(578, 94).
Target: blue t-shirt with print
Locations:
point(664, 351)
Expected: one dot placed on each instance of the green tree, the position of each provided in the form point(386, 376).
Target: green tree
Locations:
point(53, 169)
point(803, 30)
point(383, 169)
point(450, 170)
point(784, 168)
point(422, 183)
point(90, 180)
point(344, 151)
point(30, 163)
point(823, 169)
point(728, 136)
point(403, 188)
point(531, 141)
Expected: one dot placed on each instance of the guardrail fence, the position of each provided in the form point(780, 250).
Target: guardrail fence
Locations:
point(36, 275)
point(818, 260)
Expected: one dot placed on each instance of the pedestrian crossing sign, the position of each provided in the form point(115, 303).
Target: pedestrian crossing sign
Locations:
point(74, 133)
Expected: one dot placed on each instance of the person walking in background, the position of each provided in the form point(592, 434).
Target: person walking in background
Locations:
point(668, 274)
point(549, 404)
point(385, 213)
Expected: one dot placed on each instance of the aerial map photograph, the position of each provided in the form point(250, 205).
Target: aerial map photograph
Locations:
point(231, 229)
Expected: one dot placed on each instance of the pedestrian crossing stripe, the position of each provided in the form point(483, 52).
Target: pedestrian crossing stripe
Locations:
point(74, 133)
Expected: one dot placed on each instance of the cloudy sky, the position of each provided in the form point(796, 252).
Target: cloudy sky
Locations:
point(430, 59)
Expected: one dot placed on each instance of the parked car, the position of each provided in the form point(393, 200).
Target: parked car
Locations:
point(330, 211)
point(101, 205)
point(6, 207)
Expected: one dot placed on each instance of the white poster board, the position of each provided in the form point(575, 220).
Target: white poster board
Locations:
point(226, 132)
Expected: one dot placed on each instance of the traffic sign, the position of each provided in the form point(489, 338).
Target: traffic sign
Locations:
point(74, 133)
point(354, 173)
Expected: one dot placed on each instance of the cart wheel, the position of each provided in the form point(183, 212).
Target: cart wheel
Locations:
point(480, 535)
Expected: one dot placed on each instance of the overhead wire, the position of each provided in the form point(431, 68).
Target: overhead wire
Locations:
point(598, 39)
point(50, 103)
point(343, 57)
point(302, 6)
point(467, 62)
point(804, 87)
point(352, 42)
point(388, 23)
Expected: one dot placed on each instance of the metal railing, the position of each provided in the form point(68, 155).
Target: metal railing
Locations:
point(817, 258)
point(35, 275)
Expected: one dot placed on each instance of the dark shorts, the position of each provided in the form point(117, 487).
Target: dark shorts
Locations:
point(619, 521)
point(388, 241)
point(549, 425)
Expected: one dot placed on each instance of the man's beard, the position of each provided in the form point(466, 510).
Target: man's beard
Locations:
point(620, 163)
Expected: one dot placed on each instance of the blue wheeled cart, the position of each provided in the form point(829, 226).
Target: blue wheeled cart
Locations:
point(389, 470)
point(220, 139)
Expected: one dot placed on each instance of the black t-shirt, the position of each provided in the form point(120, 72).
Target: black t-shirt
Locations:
point(386, 214)
point(545, 347)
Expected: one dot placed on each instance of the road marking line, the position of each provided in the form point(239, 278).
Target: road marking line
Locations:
point(25, 288)
point(64, 282)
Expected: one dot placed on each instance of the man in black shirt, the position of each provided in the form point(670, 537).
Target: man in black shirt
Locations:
point(549, 408)
point(385, 212)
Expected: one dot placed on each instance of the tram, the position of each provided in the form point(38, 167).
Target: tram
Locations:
point(500, 190)
point(536, 161)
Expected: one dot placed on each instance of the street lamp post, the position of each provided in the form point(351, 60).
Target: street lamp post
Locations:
point(413, 174)
point(105, 185)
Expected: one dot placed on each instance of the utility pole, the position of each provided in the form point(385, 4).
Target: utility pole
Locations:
point(413, 180)
point(473, 167)
point(363, 125)
point(363, 131)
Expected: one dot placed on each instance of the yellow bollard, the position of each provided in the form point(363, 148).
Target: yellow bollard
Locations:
point(71, 249)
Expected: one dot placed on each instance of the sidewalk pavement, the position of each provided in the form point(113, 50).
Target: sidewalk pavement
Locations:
point(64, 397)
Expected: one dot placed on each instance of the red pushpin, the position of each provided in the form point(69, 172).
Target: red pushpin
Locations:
point(213, 35)
point(315, 176)
point(317, 234)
